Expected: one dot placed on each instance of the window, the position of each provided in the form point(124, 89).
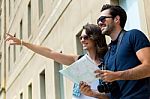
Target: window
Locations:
point(0, 71)
point(59, 83)
point(80, 50)
point(9, 8)
point(42, 85)
point(29, 19)
point(14, 4)
point(9, 58)
point(30, 91)
point(40, 7)
point(21, 96)
point(14, 50)
point(14, 53)
point(0, 26)
point(21, 35)
point(132, 10)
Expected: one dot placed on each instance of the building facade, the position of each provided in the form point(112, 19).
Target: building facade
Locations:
point(55, 24)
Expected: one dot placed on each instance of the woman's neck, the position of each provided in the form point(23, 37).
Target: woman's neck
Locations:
point(92, 55)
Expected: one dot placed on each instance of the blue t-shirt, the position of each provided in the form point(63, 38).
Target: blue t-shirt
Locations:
point(126, 58)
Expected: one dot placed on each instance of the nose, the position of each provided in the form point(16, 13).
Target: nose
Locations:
point(100, 23)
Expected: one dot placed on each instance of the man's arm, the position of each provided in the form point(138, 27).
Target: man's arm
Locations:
point(138, 72)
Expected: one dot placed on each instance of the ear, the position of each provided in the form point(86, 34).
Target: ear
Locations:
point(117, 19)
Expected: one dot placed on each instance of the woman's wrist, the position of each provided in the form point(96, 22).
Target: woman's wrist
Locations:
point(100, 95)
point(95, 94)
point(22, 43)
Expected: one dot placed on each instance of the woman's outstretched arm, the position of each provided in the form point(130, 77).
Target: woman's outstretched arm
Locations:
point(44, 51)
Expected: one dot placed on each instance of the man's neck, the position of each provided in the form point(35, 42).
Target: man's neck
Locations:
point(115, 34)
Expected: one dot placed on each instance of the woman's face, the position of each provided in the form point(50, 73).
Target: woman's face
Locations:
point(86, 41)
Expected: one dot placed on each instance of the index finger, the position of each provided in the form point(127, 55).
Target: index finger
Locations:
point(99, 71)
point(9, 34)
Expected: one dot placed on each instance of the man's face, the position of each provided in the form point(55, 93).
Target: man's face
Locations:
point(106, 22)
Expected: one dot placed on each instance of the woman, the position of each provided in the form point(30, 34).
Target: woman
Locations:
point(92, 41)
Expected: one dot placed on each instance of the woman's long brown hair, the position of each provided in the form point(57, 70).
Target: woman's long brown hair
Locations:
point(94, 32)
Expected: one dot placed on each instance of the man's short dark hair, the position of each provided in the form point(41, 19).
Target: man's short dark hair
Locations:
point(116, 10)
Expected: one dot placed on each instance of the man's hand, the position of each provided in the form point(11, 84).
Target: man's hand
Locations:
point(107, 76)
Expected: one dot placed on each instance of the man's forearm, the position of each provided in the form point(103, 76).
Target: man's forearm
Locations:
point(139, 72)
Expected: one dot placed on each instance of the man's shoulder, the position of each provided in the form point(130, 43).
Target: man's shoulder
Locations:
point(137, 39)
point(134, 31)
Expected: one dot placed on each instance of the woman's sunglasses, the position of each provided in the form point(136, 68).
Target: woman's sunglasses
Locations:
point(85, 37)
point(102, 18)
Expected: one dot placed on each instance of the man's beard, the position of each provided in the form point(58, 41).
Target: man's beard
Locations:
point(108, 29)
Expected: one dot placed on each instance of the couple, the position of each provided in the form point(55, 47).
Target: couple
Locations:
point(127, 58)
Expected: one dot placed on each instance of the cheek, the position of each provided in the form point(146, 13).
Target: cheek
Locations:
point(92, 44)
point(81, 41)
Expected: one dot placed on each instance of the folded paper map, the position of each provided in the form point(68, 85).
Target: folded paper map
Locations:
point(81, 70)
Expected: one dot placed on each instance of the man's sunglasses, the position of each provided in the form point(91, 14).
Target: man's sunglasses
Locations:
point(102, 18)
point(85, 37)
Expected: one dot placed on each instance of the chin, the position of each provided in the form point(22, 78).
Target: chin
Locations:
point(105, 32)
point(85, 48)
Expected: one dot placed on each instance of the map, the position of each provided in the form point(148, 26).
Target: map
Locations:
point(81, 70)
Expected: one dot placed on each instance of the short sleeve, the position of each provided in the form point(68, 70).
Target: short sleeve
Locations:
point(138, 40)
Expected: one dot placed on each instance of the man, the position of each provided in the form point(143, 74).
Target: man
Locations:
point(127, 60)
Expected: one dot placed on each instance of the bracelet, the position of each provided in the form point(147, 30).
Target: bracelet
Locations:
point(21, 42)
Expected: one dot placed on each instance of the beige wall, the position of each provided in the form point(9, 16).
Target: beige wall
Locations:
point(60, 22)
point(57, 28)
point(147, 14)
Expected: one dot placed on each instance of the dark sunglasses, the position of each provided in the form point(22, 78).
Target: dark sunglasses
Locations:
point(85, 37)
point(102, 18)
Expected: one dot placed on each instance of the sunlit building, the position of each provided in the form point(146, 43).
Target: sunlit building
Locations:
point(56, 24)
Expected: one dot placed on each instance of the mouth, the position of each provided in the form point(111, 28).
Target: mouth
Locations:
point(85, 44)
point(102, 26)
